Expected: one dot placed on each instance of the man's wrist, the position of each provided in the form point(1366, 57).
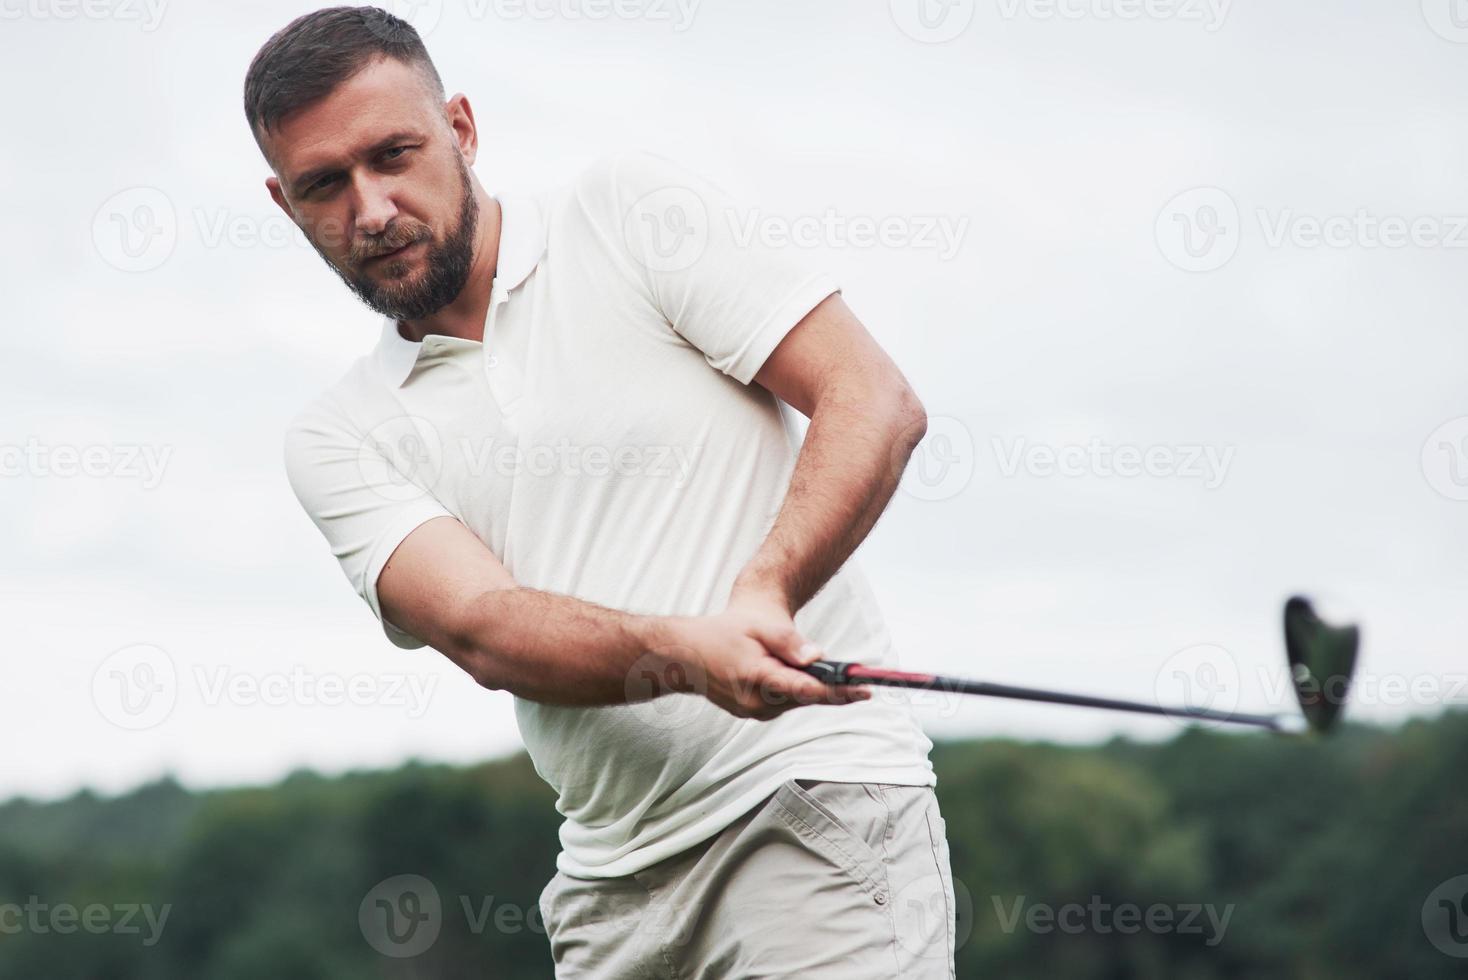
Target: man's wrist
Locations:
point(657, 640)
point(764, 584)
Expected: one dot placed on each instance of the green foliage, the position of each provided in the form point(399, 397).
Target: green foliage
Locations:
point(1315, 859)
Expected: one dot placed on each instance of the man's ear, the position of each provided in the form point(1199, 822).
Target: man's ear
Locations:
point(277, 195)
point(460, 116)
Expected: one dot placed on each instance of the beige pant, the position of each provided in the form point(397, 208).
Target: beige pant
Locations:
point(820, 881)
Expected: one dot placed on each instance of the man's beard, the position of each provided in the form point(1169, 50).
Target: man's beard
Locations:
point(447, 265)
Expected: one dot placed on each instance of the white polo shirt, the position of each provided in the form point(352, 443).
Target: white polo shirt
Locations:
point(606, 443)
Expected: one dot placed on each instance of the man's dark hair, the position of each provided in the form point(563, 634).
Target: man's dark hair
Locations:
point(313, 54)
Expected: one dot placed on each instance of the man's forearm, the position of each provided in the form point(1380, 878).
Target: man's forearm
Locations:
point(557, 649)
point(857, 445)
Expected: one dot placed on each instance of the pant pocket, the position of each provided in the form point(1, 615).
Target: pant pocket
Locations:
point(819, 826)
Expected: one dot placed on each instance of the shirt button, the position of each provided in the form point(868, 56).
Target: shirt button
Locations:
point(492, 361)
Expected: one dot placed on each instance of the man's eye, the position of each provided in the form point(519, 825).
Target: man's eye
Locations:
point(320, 184)
point(395, 152)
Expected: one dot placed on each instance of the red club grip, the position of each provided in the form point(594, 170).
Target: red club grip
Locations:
point(860, 672)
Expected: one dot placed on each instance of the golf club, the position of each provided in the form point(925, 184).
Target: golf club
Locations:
point(1321, 659)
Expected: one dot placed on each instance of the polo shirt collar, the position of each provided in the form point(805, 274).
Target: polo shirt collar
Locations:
point(522, 243)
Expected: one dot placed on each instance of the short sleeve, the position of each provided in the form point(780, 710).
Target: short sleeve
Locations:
point(360, 496)
point(705, 262)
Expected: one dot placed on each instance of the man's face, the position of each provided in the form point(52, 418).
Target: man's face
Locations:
point(374, 176)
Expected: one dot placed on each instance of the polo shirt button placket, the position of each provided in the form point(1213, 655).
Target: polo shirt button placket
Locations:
point(501, 377)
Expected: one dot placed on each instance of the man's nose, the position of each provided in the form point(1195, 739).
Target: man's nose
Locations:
point(375, 209)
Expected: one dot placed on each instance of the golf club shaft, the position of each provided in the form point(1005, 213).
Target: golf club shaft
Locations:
point(837, 672)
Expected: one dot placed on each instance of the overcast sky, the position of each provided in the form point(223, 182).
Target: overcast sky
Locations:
point(1220, 247)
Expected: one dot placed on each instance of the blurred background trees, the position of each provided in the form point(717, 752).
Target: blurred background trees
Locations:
point(1269, 858)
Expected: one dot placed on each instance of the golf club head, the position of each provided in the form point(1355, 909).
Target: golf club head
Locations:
point(1322, 659)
